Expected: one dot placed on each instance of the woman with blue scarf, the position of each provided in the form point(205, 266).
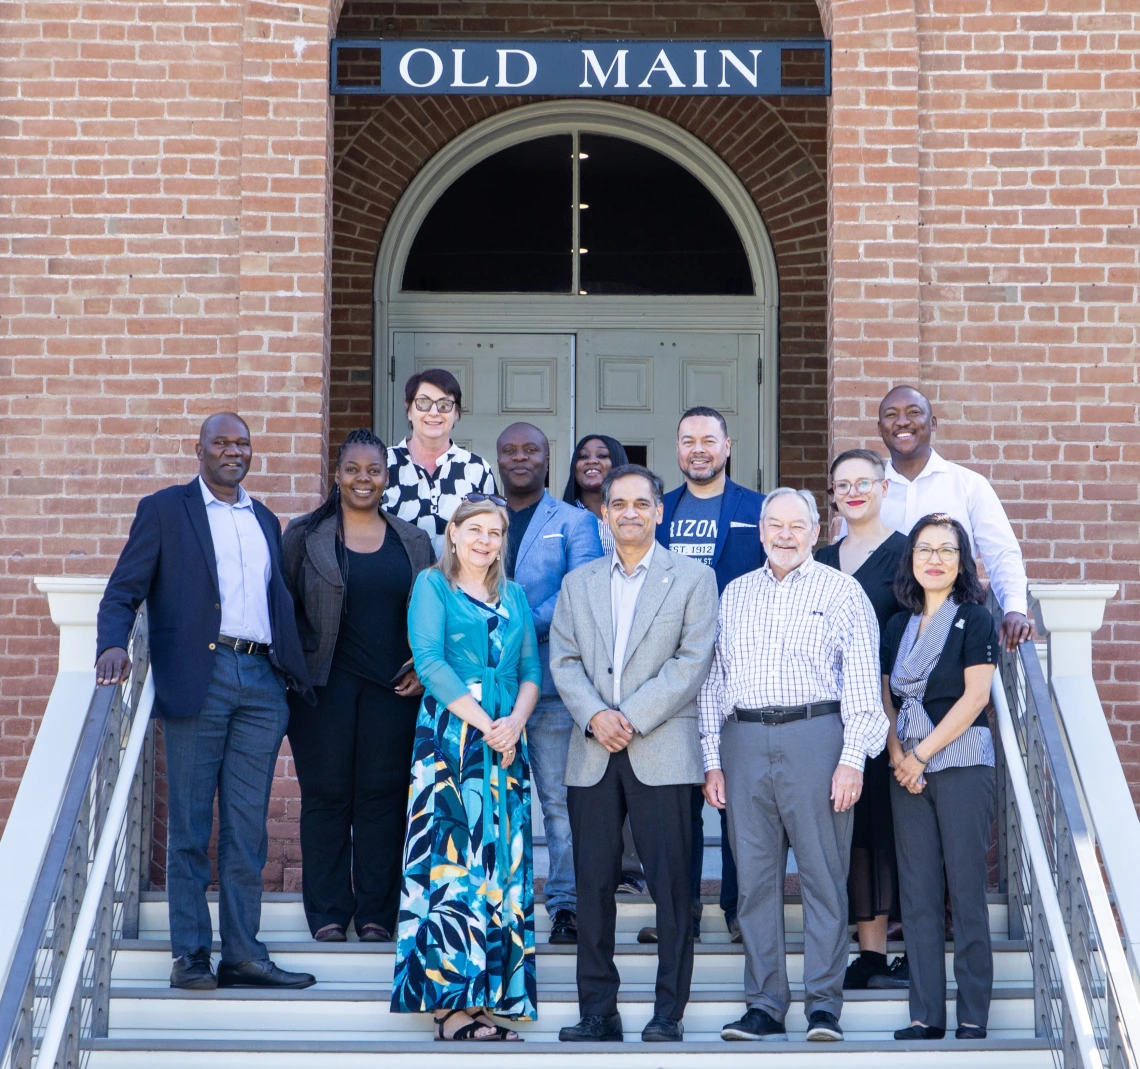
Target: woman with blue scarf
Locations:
point(465, 943)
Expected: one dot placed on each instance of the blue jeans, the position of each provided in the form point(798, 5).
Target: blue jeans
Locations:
point(548, 738)
point(228, 749)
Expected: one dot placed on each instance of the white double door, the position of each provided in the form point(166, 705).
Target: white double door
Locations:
point(632, 385)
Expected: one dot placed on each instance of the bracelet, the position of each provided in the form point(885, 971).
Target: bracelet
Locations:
point(914, 754)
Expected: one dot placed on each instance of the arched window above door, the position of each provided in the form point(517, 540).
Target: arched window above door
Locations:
point(584, 213)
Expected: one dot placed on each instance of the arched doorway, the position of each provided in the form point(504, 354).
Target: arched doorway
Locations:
point(587, 267)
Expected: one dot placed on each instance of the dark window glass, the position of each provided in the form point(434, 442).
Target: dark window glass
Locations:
point(504, 226)
point(651, 227)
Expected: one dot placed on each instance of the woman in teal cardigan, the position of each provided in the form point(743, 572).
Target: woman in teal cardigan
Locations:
point(465, 942)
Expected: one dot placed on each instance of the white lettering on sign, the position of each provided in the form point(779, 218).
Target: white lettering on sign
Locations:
point(532, 68)
point(590, 61)
point(661, 65)
point(727, 57)
point(405, 65)
point(457, 81)
point(700, 82)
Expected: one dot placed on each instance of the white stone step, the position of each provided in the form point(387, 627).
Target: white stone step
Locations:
point(283, 918)
point(319, 1013)
point(144, 963)
point(694, 1053)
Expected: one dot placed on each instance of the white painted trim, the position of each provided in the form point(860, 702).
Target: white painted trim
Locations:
point(528, 313)
point(73, 602)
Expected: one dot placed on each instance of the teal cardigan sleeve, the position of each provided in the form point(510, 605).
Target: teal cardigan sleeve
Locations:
point(427, 636)
point(530, 667)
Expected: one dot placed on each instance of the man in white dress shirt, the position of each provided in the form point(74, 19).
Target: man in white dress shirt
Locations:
point(919, 482)
point(791, 710)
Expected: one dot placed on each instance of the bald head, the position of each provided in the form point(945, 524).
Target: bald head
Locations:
point(524, 458)
point(904, 394)
point(219, 420)
point(225, 453)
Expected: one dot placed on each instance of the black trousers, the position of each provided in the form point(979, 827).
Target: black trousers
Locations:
point(942, 837)
point(728, 890)
point(661, 821)
point(353, 753)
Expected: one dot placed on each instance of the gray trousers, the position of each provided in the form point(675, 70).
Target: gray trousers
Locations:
point(946, 828)
point(778, 782)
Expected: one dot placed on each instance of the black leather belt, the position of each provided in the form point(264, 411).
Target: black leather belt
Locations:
point(244, 645)
point(787, 715)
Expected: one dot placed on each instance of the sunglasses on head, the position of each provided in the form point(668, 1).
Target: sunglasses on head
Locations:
point(493, 498)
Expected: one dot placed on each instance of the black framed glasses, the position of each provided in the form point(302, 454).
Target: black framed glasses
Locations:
point(476, 498)
point(443, 405)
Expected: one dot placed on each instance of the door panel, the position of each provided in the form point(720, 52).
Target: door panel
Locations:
point(505, 378)
point(634, 385)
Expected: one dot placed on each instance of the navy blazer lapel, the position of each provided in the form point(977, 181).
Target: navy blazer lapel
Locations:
point(546, 508)
point(200, 522)
point(271, 528)
point(724, 523)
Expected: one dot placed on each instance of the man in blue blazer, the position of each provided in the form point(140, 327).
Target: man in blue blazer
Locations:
point(545, 540)
point(716, 521)
point(206, 558)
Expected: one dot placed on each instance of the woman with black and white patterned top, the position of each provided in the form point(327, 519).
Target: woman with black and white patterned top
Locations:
point(428, 474)
point(938, 660)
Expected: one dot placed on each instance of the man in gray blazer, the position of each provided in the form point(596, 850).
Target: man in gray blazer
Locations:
point(630, 645)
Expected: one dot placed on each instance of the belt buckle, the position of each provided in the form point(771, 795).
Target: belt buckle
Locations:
point(248, 643)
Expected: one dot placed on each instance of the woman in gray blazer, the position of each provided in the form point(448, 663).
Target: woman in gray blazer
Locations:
point(350, 568)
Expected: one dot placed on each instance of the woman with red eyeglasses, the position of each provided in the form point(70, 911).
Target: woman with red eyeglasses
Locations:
point(428, 474)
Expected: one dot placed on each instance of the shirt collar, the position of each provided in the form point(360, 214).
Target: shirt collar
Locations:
point(451, 453)
point(642, 565)
point(795, 575)
point(244, 501)
point(934, 465)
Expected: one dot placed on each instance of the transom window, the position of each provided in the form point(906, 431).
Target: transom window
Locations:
point(586, 214)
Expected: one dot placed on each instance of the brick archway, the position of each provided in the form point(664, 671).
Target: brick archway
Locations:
point(777, 151)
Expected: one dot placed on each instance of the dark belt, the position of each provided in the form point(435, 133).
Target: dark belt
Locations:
point(787, 715)
point(244, 645)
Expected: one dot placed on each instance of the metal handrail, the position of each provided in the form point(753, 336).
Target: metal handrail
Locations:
point(1085, 1039)
point(61, 969)
point(1054, 838)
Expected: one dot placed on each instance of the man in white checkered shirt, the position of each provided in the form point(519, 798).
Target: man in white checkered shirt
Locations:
point(795, 692)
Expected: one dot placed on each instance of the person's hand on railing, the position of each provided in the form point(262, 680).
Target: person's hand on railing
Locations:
point(1014, 630)
point(112, 667)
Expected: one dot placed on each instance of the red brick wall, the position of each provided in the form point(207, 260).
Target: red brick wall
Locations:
point(166, 191)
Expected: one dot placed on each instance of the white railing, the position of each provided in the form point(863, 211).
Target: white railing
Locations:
point(85, 891)
point(1050, 854)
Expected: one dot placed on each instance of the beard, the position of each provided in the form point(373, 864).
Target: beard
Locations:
point(708, 476)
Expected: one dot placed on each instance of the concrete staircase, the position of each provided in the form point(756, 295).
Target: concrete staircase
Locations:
point(343, 1022)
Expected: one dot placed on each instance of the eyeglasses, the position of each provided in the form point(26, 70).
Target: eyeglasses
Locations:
point(860, 486)
point(944, 553)
point(493, 498)
point(442, 405)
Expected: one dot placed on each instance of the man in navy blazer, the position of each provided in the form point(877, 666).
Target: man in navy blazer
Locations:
point(206, 558)
point(545, 540)
point(716, 521)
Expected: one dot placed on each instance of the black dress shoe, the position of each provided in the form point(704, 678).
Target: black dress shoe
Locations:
point(920, 1031)
point(662, 1029)
point(193, 972)
point(593, 1028)
point(970, 1031)
point(261, 974)
point(823, 1027)
point(563, 928)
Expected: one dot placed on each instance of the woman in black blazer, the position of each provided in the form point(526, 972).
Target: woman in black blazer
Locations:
point(350, 568)
point(938, 660)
